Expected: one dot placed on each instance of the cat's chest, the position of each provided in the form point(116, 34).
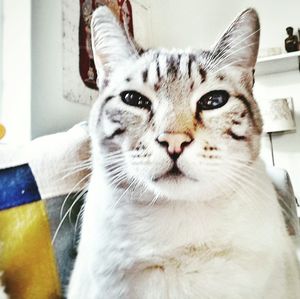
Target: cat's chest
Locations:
point(168, 233)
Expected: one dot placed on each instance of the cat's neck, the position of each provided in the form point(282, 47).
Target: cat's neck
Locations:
point(135, 201)
point(176, 222)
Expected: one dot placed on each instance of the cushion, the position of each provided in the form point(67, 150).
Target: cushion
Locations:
point(41, 192)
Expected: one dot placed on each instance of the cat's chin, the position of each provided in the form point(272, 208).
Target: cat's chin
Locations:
point(177, 187)
point(173, 175)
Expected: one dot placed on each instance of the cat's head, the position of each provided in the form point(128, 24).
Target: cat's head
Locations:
point(182, 123)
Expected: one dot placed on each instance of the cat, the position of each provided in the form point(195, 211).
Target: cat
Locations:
point(179, 205)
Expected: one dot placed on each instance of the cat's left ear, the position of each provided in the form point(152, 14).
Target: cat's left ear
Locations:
point(239, 44)
point(111, 45)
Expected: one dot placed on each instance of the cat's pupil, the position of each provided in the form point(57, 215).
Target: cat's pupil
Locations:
point(213, 100)
point(134, 98)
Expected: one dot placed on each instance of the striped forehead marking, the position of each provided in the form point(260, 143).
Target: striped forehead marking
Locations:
point(191, 59)
point(173, 66)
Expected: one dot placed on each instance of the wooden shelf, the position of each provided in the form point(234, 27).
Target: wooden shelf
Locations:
point(278, 63)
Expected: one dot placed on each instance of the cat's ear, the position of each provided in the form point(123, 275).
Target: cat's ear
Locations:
point(239, 44)
point(110, 43)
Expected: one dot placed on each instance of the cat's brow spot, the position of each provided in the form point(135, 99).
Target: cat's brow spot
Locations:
point(128, 79)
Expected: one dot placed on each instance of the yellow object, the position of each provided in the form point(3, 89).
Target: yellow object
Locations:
point(27, 257)
point(2, 131)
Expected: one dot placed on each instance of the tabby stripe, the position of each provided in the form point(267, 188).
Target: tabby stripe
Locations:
point(203, 74)
point(158, 69)
point(145, 75)
point(119, 131)
point(172, 66)
point(234, 136)
point(248, 106)
point(106, 100)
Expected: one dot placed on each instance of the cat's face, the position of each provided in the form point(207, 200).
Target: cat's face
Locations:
point(181, 123)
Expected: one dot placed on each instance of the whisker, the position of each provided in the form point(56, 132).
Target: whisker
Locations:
point(80, 195)
point(80, 214)
point(229, 45)
point(124, 193)
point(69, 194)
point(224, 58)
point(62, 221)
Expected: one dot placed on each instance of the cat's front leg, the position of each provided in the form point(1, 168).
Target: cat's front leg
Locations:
point(93, 280)
point(80, 285)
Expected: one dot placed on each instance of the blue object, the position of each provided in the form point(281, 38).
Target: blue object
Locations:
point(17, 187)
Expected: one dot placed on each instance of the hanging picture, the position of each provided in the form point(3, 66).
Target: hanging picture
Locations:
point(79, 73)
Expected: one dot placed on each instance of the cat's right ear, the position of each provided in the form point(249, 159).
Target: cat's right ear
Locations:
point(109, 42)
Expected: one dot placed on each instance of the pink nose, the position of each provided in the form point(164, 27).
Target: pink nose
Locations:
point(174, 142)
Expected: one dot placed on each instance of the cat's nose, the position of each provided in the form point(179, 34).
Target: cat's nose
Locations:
point(174, 143)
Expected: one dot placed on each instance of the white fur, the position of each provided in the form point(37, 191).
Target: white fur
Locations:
point(215, 233)
point(241, 249)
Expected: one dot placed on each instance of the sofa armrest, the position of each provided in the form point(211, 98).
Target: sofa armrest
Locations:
point(286, 197)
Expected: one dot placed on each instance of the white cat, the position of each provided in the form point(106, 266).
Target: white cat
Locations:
point(179, 205)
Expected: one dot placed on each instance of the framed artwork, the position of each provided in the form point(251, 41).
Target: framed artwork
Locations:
point(79, 73)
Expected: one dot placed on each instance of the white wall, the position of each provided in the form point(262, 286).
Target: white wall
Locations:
point(16, 68)
point(197, 23)
point(50, 112)
point(32, 104)
point(1, 52)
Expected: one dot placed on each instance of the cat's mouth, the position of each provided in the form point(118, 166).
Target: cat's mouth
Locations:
point(174, 173)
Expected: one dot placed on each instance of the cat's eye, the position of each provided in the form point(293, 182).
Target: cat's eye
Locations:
point(213, 100)
point(134, 98)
